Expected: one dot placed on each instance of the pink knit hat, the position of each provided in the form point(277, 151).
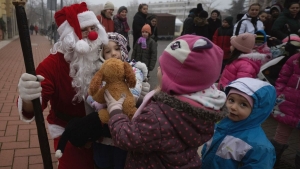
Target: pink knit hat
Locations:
point(190, 64)
point(244, 42)
point(247, 97)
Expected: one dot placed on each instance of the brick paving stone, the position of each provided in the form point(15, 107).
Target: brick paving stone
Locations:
point(20, 163)
point(15, 145)
point(23, 135)
point(6, 157)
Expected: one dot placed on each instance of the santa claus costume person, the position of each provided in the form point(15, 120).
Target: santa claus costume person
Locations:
point(64, 77)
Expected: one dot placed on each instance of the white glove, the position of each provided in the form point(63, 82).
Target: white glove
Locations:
point(143, 68)
point(29, 88)
point(145, 89)
point(111, 103)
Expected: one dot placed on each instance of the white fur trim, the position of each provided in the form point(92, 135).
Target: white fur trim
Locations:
point(254, 56)
point(58, 154)
point(107, 141)
point(87, 18)
point(55, 130)
point(64, 29)
point(82, 46)
point(20, 105)
point(143, 68)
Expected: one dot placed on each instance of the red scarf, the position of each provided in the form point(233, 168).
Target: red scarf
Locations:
point(124, 22)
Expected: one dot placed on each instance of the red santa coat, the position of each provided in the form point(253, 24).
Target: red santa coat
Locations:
point(57, 88)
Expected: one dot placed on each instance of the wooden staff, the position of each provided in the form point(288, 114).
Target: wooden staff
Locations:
point(30, 68)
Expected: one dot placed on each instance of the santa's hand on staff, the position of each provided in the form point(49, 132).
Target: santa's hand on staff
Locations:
point(29, 89)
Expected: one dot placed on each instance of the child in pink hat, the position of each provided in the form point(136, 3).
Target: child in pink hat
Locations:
point(177, 117)
point(244, 62)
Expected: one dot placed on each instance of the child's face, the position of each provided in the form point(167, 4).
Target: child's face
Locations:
point(225, 24)
point(238, 107)
point(263, 17)
point(145, 34)
point(112, 50)
point(153, 22)
point(214, 15)
point(123, 14)
point(253, 11)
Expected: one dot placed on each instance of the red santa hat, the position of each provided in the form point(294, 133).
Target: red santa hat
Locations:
point(75, 17)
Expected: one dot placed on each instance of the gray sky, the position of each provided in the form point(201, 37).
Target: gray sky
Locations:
point(222, 4)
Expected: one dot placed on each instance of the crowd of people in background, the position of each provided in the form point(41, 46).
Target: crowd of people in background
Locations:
point(215, 101)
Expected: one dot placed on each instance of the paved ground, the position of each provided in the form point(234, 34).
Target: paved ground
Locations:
point(19, 147)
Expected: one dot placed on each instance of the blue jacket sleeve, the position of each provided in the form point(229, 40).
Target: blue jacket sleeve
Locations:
point(259, 157)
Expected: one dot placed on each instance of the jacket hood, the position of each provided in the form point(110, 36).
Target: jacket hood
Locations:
point(254, 56)
point(188, 115)
point(264, 97)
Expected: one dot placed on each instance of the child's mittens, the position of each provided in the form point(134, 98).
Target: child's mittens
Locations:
point(143, 68)
point(97, 106)
point(145, 89)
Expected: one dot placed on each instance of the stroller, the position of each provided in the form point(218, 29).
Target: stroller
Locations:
point(281, 53)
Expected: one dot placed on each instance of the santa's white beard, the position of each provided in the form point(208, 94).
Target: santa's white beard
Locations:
point(82, 68)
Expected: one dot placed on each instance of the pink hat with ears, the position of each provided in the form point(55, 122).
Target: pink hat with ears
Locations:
point(190, 64)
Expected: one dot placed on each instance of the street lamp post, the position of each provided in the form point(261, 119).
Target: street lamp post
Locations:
point(185, 4)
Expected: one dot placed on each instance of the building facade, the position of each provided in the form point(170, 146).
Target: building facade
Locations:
point(180, 8)
point(8, 24)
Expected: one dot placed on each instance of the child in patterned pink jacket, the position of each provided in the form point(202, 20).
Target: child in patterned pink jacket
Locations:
point(244, 62)
point(179, 116)
point(287, 109)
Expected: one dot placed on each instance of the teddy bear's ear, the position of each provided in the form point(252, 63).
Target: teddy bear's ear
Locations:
point(96, 82)
point(129, 75)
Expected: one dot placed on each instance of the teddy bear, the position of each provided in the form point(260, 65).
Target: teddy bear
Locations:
point(118, 77)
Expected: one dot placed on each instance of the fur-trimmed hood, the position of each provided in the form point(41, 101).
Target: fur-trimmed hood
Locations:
point(254, 56)
point(197, 112)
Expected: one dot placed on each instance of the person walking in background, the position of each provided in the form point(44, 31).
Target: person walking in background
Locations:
point(121, 24)
point(36, 29)
point(31, 29)
point(139, 20)
point(179, 115)
point(145, 49)
point(250, 22)
point(213, 23)
point(152, 19)
point(244, 62)
point(222, 38)
point(287, 108)
point(105, 18)
point(239, 140)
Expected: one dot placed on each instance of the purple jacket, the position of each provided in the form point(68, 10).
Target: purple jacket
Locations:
point(165, 135)
point(288, 93)
point(247, 65)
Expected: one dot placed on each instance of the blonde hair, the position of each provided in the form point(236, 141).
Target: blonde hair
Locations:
point(254, 4)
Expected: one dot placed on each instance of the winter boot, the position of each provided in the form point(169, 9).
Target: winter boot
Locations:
point(297, 160)
point(279, 149)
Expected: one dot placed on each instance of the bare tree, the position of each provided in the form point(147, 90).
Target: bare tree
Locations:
point(96, 8)
point(209, 5)
point(70, 2)
point(237, 7)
